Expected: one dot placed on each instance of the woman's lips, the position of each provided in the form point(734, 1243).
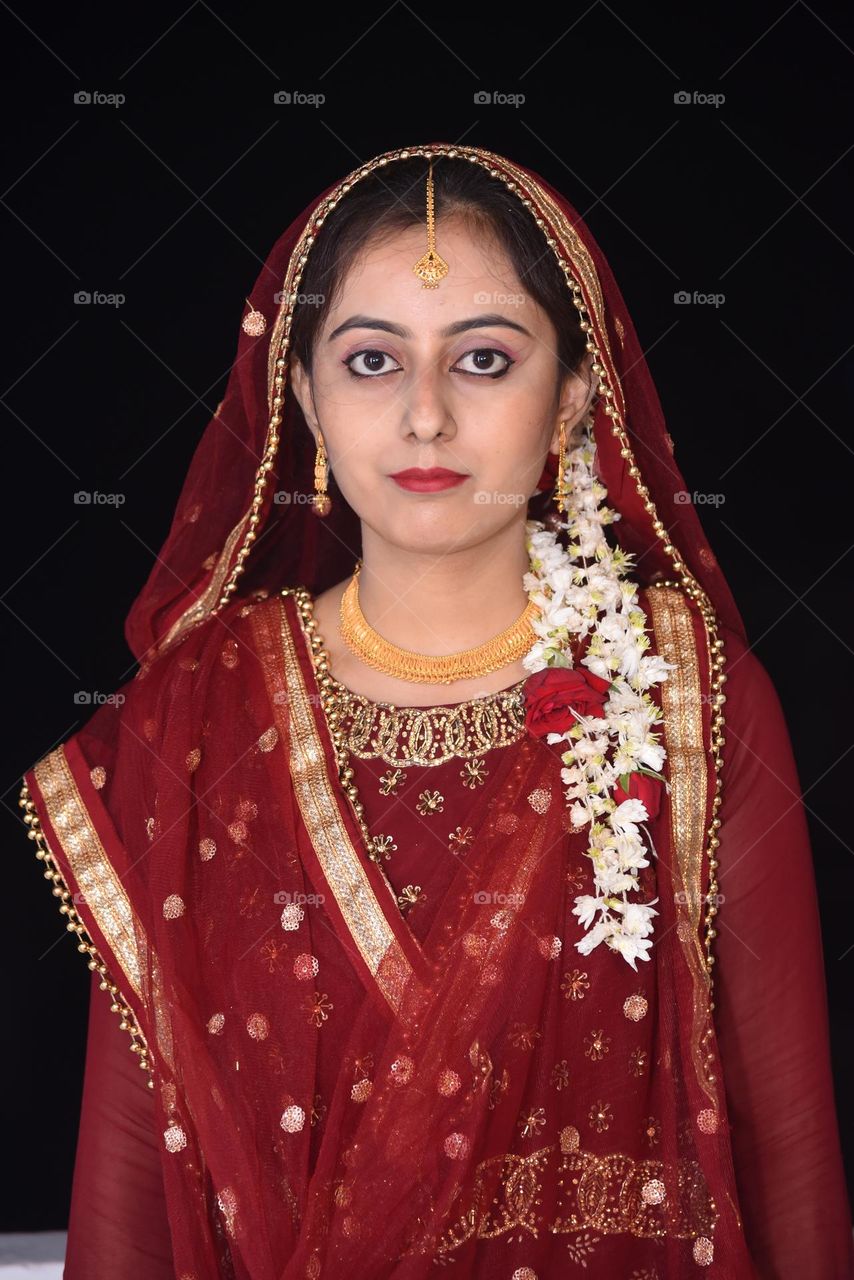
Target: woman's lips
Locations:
point(428, 481)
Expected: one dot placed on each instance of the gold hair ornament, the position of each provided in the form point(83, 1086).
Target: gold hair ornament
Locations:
point(431, 268)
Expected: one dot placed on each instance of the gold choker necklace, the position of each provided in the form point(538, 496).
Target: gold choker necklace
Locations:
point(467, 664)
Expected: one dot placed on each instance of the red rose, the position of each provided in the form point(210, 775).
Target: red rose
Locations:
point(644, 788)
point(551, 695)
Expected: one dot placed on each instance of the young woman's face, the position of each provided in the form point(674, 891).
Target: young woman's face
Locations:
point(462, 377)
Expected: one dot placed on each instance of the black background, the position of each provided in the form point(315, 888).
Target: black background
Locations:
point(174, 199)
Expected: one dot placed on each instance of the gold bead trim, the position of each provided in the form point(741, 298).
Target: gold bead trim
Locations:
point(85, 944)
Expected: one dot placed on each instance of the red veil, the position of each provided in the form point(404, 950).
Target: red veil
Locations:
point(214, 871)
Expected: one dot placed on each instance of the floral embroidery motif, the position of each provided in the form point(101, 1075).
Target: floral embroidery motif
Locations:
point(637, 1062)
point(459, 840)
point(600, 1116)
point(317, 1007)
point(596, 1045)
point(531, 1123)
point(574, 985)
point(411, 894)
point(474, 773)
point(522, 1036)
point(430, 802)
point(390, 781)
point(272, 950)
point(560, 1074)
point(383, 847)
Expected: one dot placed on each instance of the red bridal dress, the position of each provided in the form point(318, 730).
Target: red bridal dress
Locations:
point(338, 935)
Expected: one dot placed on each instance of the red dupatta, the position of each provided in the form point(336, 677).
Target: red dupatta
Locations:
point(233, 889)
point(213, 870)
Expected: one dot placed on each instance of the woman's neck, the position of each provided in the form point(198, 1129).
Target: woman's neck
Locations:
point(433, 605)
point(439, 604)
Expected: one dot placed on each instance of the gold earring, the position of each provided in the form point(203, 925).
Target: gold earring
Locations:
point(561, 469)
point(321, 502)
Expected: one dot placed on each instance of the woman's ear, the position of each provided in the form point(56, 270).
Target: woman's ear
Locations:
point(576, 395)
point(300, 383)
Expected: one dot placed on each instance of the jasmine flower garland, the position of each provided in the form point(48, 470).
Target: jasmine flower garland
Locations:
point(583, 590)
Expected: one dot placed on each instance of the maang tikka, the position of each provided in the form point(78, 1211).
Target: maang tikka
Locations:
point(431, 267)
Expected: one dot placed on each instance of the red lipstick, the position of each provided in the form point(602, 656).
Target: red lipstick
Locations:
point(428, 480)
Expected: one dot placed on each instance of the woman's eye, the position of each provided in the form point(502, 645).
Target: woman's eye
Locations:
point(485, 362)
point(372, 364)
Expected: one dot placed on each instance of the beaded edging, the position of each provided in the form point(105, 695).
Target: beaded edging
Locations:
point(75, 924)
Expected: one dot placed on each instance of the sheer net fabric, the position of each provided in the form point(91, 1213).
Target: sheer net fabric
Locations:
point(771, 1022)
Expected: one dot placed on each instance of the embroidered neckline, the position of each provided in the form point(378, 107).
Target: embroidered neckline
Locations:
point(431, 735)
point(425, 735)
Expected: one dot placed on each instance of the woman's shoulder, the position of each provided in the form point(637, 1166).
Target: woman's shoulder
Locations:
point(219, 640)
point(170, 680)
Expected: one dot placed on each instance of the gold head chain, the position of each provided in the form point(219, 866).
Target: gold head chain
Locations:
point(431, 267)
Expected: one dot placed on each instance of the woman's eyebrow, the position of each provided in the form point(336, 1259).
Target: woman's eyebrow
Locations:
point(459, 326)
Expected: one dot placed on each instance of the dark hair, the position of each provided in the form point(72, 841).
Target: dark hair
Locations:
point(393, 198)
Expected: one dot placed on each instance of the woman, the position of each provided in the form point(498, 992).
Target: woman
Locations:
point(443, 892)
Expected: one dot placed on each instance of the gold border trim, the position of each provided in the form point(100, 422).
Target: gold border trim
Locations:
point(683, 729)
point(681, 696)
point(339, 861)
point(103, 891)
point(53, 872)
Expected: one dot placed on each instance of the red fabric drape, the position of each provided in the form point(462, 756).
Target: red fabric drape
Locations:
point(770, 1018)
point(340, 1092)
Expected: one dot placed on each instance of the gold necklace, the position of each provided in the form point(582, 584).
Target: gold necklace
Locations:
point(466, 664)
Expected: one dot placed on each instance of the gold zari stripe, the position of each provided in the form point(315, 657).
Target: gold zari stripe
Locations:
point(102, 889)
point(338, 858)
